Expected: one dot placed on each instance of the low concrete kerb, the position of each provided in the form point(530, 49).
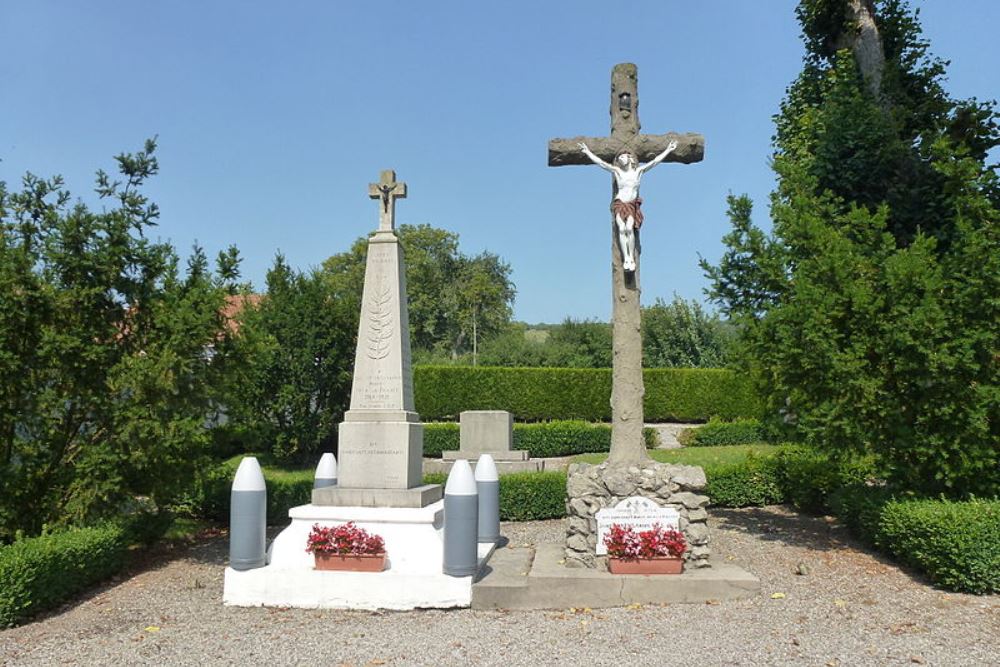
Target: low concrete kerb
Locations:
point(537, 578)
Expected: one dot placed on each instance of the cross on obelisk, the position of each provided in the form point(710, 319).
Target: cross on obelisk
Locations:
point(627, 391)
point(388, 190)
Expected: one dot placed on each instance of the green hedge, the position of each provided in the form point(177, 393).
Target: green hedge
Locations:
point(717, 432)
point(526, 496)
point(40, 572)
point(523, 496)
point(956, 544)
point(544, 439)
point(753, 483)
point(538, 394)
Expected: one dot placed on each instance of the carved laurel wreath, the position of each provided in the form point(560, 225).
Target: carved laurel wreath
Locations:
point(379, 322)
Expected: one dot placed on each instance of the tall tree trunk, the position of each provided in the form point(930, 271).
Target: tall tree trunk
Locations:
point(863, 39)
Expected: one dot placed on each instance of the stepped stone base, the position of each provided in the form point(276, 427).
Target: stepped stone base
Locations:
point(498, 456)
point(537, 578)
point(413, 578)
point(503, 467)
point(339, 496)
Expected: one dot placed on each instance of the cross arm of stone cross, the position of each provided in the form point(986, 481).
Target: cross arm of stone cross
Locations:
point(690, 148)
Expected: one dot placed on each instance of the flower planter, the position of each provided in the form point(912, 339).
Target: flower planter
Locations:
point(657, 565)
point(350, 562)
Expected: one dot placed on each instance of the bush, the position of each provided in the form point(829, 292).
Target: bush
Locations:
point(440, 437)
point(809, 476)
point(754, 482)
point(532, 496)
point(526, 496)
point(717, 432)
point(39, 572)
point(957, 544)
point(209, 499)
point(536, 394)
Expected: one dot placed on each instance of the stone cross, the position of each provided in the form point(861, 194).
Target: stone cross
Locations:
point(388, 191)
point(627, 391)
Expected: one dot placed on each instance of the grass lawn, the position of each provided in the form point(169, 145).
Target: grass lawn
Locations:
point(698, 456)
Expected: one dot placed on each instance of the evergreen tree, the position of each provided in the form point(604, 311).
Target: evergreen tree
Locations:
point(111, 357)
point(870, 315)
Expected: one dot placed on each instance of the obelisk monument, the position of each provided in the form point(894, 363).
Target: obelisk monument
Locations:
point(381, 437)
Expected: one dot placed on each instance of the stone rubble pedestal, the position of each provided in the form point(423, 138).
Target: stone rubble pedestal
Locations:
point(590, 488)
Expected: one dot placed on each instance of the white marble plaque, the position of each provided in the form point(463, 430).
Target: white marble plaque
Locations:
point(636, 511)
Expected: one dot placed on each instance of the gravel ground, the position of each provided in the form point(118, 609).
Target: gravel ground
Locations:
point(852, 608)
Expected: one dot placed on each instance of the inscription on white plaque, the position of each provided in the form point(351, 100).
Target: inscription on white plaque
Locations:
point(639, 513)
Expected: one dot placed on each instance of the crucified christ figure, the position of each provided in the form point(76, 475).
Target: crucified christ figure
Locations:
point(628, 215)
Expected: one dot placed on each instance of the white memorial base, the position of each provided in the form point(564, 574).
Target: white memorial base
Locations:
point(413, 577)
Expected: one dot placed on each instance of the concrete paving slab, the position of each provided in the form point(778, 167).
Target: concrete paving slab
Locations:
point(549, 584)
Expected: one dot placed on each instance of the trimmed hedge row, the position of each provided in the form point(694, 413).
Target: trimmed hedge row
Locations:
point(526, 496)
point(956, 544)
point(38, 573)
point(523, 496)
point(544, 439)
point(717, 432)
point(537, 394)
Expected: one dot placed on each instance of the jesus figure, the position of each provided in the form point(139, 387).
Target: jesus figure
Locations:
point(626, 206)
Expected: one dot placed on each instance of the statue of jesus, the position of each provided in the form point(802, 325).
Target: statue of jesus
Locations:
point(628, 214)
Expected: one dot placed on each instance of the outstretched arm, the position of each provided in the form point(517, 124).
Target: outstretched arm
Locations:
point(659, 158)
point(593, 158)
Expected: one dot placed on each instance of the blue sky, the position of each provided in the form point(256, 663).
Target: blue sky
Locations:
point(273, 117)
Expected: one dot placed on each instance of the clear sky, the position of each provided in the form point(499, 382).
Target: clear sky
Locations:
point(273, 117)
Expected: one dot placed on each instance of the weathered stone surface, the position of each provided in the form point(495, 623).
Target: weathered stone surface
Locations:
point(580, 486)
point(690, 477)
point(697, 534)
point(620, 482)
point(688, 499)
point(579, 507)
point(700, 514)
point(577, 543)
point(579, 524)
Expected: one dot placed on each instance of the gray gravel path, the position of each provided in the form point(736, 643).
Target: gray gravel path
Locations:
point(853, 608)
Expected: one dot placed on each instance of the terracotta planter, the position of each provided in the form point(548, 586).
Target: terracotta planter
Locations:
point(658, 565)
point(350, 562)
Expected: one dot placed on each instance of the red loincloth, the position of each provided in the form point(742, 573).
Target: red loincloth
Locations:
point(626, 209)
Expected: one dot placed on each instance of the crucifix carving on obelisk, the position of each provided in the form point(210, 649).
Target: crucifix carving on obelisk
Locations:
point(388, 190)
point(627, 391)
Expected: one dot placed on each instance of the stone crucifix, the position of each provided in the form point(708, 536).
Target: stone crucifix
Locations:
point(622, 152)
point(388, 191)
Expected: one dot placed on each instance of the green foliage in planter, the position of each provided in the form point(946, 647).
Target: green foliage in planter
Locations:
point(717, 432)
point(38, 573)
point(536, 394)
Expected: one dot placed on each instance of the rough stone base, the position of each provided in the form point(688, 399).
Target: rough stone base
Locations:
point(590, 488)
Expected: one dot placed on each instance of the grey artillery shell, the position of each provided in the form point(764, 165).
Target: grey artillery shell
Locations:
point(461, 529)
point(247, 519)
point(489, 511)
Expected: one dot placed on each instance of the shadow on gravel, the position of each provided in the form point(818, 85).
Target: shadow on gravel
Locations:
point(780, 524)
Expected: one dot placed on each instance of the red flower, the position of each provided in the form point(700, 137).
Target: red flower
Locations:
point(624, 542)
point(344, 539)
